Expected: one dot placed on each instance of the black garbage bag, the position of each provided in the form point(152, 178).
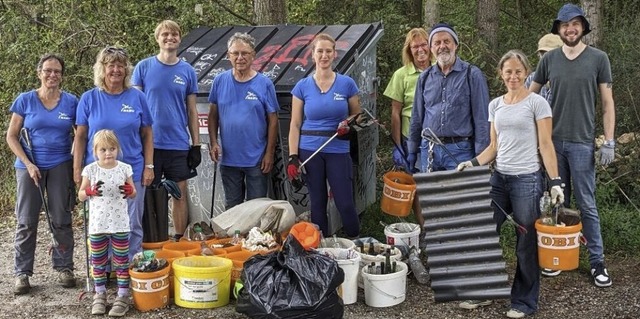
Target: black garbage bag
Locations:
point(292, 283)
point(155, 219)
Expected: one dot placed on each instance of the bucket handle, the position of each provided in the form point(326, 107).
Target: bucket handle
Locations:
point(582, 239)
point(383, 292)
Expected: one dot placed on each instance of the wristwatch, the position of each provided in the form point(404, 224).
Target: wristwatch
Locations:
point(149, 166)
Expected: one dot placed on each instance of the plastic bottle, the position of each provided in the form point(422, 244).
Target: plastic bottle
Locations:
point(545, 209)
point(421, 274)
point(198, 233)
point(236, 239)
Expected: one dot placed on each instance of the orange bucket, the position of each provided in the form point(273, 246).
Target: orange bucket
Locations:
point(188, 248)
point(169, 256)
point(150, 290)
point(397, 193)
point(238, 258)
point(155, 246)
point(307, 234)
point(558, 246)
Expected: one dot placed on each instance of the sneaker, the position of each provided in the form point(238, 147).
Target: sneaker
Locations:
point(550, 272)
point(99, 305)
point(22, 285)
point(601, 275)
point(515, 313)
point(120, 307)
point(473, 304)
point(66, 278)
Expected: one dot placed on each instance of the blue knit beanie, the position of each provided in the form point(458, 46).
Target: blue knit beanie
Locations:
point(443, 27)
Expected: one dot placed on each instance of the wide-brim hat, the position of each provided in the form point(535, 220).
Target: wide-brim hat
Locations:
point(568, 12)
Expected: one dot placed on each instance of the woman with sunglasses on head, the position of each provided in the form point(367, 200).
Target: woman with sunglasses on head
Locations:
point(115, 105)
point(46, 117)
point(325, 104)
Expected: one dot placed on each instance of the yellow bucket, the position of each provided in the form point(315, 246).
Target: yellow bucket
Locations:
point(558, 246)
point(397, 193)
point(201, 282)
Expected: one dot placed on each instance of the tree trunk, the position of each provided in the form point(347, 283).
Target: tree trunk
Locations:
point(593, 12)
point(431, 13)
point(414, 12)
point(487, 21)
point(268, 12)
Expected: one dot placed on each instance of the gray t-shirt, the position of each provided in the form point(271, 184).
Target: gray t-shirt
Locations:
point(575, 87)
point(517, 133)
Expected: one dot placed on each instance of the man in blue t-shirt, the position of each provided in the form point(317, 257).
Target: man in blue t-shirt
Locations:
point(170, 86)
point(243, 107)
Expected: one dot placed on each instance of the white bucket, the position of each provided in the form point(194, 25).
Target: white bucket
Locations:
point(338, 242)
point(349, 261)
point(403, 234)
point(385, 290)
point(376, 257)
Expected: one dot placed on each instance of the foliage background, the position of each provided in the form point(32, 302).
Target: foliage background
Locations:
point(78, 29)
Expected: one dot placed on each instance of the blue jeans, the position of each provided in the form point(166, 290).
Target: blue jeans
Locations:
point(237, 181)
point(442, 161)
point(136, 210)
point(576, 165)
point(520, 195)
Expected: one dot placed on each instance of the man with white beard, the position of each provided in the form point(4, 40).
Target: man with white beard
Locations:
point(449, 120)
point(577, 73)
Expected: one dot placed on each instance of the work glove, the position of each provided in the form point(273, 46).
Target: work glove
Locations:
point(411, 158)
point(94, 190)
point(293, 167)
point(126, 190)
point(343, 130)
point(194, 158)
point(470, 163)
point(605, 154)
point(556, 191)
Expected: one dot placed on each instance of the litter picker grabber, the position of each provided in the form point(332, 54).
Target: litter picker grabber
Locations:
point(350, 121)
point(213, 189)
point(85, 215)
point(430, 136)
point(24, 135)
point(387, 133)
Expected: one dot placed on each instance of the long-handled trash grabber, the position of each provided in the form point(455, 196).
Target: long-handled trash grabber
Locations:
point(350, 121)
point(387, 133)
point(85, 215)
point(24, 135)
point(213, 189)
point(429, 135)
point(519, 227)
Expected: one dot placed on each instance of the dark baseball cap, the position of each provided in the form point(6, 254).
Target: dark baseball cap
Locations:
point(566, 14)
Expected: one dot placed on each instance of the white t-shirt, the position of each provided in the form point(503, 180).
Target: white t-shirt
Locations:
point(108, 213)
point(517, 133)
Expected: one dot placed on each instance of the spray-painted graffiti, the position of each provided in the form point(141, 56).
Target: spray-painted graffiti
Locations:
point(201, 66)
point(289, 52)
point(273, 73)
point(195, 50)
point(209, 56)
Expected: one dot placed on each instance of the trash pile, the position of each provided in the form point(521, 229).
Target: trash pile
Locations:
point(257, 240)
point(146, 261)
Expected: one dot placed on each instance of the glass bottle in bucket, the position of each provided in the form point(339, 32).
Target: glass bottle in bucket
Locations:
point(236, 239)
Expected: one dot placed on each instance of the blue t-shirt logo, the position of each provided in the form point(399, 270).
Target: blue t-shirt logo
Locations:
point(338, 97)
point(64, 116)
point(178, 80)
point(251, 96)
point(126, 109)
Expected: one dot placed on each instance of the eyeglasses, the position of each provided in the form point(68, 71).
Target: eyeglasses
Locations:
point(114, 50)
point(418, 46)
point(52, 71)
point(236, 54)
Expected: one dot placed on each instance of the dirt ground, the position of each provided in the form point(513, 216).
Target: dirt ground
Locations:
point(571, 295)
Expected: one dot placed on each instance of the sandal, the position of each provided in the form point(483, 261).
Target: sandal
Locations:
point(99, 305)
point(120, 307)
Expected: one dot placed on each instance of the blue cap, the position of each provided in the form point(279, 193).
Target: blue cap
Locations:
point(566, 14)
point(443, 27)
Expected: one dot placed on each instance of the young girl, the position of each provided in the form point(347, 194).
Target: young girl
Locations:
point(107, 182)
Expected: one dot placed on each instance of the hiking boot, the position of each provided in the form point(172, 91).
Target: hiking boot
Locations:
point(66, 278)
point(550, 272)
point(515, 313)
point(99, 305)
point(473, 304)
point(601, 275)
point(22, 285)
point(120, 307)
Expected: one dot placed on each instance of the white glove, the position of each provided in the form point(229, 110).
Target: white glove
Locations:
point(470, 163)
point(463, 165)
point(557, 195)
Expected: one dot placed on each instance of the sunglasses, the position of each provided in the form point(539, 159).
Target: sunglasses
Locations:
point(115, 50)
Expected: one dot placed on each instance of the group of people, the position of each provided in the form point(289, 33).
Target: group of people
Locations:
point(140, 125)
point(535, 142)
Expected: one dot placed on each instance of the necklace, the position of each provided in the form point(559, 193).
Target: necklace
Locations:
point(324, 84)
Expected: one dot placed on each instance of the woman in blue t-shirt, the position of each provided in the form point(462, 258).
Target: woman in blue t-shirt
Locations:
point(320, 105)
point(46, 117)
point(115, 105)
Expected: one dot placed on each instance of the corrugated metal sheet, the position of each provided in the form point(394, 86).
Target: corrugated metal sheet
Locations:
point(464, 254)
